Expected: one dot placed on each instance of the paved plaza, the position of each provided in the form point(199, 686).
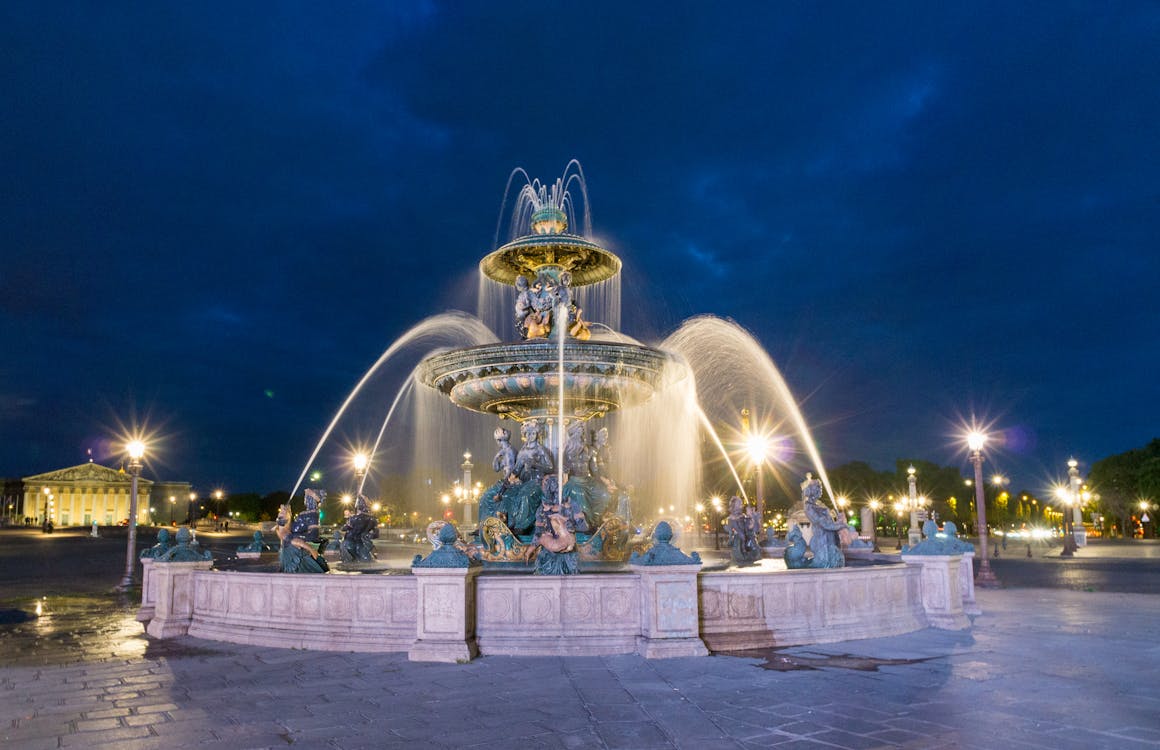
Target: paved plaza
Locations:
point(1054, 668)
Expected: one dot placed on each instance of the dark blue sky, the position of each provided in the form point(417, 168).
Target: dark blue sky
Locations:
point(921, 211)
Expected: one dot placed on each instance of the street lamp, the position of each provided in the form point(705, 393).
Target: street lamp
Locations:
point(985, 578)
point(915, 534)
point(700, 508)
point(361, 463)
point(757, 446)
point(172, 505)
point(1079, 535)
point(136, 450)
point(715, 501)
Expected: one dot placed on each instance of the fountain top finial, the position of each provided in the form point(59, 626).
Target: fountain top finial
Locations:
point(549, 220)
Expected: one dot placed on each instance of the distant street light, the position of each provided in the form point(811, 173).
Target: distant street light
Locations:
point(757, 445)
point(985, 578)
point(136, 450)
point(172, 505)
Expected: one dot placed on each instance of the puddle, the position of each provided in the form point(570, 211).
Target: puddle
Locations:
point(779, 662)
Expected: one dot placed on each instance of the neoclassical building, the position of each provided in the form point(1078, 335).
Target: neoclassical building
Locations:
point(91, 492)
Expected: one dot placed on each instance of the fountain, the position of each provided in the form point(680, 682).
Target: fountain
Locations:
point(559, 520)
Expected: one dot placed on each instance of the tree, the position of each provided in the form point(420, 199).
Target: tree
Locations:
point(1121, 481)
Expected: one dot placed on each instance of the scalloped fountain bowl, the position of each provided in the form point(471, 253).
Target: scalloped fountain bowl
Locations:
point(521, 380)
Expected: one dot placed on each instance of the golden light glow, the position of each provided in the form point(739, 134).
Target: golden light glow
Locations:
point(976, 440)
point(758, 448)
point(360, 461)
point(136, 449)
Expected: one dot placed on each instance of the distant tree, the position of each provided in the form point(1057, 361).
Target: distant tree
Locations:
point(1122, 480)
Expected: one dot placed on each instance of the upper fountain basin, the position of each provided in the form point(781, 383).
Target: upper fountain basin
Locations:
point(585, 260)
point(522, 380)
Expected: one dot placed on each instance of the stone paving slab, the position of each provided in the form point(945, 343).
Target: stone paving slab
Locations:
point(1040, 669)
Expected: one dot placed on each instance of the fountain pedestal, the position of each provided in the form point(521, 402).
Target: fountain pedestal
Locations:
point(173, 591)
point(445, 631)
point(942, 597)
point(669, 611)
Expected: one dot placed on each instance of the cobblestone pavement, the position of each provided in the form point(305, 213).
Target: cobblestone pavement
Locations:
point(1039, 669)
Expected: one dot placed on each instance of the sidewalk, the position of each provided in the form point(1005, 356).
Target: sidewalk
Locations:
point(1040, 669)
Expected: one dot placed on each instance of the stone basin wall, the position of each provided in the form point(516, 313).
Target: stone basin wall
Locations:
point(455, 614)
point(744, 610)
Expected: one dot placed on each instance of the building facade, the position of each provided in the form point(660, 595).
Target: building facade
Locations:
point(80, 495)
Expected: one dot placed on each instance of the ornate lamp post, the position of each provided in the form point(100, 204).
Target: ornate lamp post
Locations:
point(716, 502)
point(172, 505)
point(757, 445)
point(915, 534)
point(136, 452)
point(468, 498)
point(1079, 496)
point(700, 508)
point(361, 462)
point(985, 577)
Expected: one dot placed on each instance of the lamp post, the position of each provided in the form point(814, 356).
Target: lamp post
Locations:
point(915, 534)
point(757, 446)
point(985, 578)
point(172, 505)
point(361, 462)
point(468, 498)
point(136, 452)
point(1079, 496)
point(700, 508)
point(716, 502)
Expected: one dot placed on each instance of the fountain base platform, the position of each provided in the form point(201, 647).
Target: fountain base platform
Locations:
point(656, 611)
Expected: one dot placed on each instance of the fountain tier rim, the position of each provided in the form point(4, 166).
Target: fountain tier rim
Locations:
point(588, 262)
point(521, 380)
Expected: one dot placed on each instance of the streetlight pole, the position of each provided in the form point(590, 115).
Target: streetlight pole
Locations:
point(468, 515)
point(136, 453)
point(758, 447)
point(915, 535)
point(1077, 491)
point(985, 578)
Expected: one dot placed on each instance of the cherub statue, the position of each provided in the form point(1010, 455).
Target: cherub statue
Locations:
point(529, 320)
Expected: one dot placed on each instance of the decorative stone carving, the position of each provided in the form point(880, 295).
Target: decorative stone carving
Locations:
point(186, 549)
point(662, 552)
point(447, 554)
point(742, 534)
point(164, 544)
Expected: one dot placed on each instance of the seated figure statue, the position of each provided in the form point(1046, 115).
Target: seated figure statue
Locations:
point(359, 533)
point(742, 534)
point(533, 462)
point(296, 554)
point(491, 500)
point(824, 544)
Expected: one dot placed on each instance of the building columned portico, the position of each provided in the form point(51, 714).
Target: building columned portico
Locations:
point(80, 495)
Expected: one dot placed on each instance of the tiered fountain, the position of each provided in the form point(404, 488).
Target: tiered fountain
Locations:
point(558, 383)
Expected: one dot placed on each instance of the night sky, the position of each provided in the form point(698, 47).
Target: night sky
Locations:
point(216, 216)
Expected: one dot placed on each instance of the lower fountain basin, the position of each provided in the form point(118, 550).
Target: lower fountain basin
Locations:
point(522, 380)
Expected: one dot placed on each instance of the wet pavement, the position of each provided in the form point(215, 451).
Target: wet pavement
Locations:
point(1040, 668)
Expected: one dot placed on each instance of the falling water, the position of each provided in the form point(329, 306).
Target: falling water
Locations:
point(733, 372)
point(446, 329)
